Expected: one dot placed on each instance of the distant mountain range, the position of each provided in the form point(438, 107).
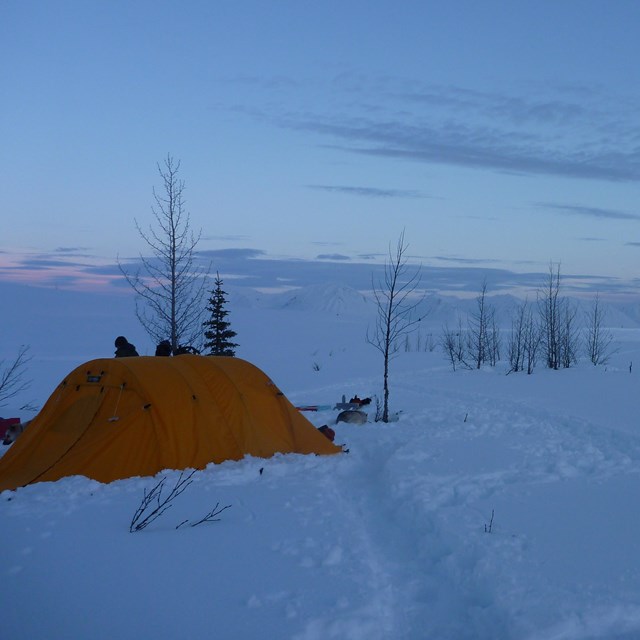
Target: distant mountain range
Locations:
point(435, 310)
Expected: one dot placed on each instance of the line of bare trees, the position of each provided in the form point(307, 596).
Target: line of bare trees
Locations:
point(547, 331)
point(477, 344)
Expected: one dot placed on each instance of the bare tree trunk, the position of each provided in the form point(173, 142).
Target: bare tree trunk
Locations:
point(494, 339)
point(483, 335)
point(478, 330)
point(549, 307)
point(515, 348)
point(532, 339)
point(568, 339)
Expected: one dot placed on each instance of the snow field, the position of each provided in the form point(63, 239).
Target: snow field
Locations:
point(388, 541)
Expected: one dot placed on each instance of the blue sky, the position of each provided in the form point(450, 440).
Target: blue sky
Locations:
point(500, 135)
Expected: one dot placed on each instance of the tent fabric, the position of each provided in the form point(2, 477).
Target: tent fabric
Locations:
point(123, 417)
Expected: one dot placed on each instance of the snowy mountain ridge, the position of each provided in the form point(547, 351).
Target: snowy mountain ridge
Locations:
point(435, 310)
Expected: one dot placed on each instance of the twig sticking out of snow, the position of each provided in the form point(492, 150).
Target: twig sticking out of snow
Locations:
point(211, 516)
point(489, 527)
point(146, 512)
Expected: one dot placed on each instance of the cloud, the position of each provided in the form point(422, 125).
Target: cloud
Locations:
point(228, 238)
point(466, 260)
point(593, 212)
point(257, 270)
point(332, 256)
point(515, 109)
point(233, 254)
point(49, 263)
point(632, 244)
point(325, 243)
point(71, 250)
point(547, 131)
point(459, 100)
point(368, 192)
point(60, 269)
point(478, 148)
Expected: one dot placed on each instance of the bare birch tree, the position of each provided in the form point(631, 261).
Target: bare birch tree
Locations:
point(598, 339)
point(494, 339)
point(483, 335)
point(532, 340)
point(520, 339)
point(524, 341)
point(569, 335)
point(396, 305)
point(515, 343)
point(549, 303)
point(453, 345)
point(170, 287)
point(478, 329)
point(559, 335)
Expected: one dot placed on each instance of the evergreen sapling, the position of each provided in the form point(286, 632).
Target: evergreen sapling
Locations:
point(218, 334)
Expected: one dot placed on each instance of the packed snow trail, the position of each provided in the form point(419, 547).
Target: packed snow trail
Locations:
point(414, 564)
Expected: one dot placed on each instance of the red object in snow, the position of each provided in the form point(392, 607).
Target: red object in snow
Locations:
point(315, 407)
point(5, 423)
point(326, 430)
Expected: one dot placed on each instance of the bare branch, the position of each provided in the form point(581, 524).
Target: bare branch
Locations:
point(12, 375)
point(211, 516)
point(146, 512)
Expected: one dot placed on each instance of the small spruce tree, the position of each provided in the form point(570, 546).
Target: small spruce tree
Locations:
point(218, 334)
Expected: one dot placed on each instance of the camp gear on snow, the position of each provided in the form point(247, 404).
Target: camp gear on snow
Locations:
point(5, 423)
point(184, 349)
point(124, 349)
point(14, 431)
point(352, 417)
point(163, 348)
point(326, 430)
point(354, 403)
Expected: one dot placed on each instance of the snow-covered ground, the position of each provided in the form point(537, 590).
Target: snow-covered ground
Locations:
point(496, 507)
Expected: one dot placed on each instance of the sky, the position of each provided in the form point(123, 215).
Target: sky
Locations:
point(500, 136)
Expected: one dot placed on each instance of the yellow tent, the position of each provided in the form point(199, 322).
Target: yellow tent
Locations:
point(122, 417)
